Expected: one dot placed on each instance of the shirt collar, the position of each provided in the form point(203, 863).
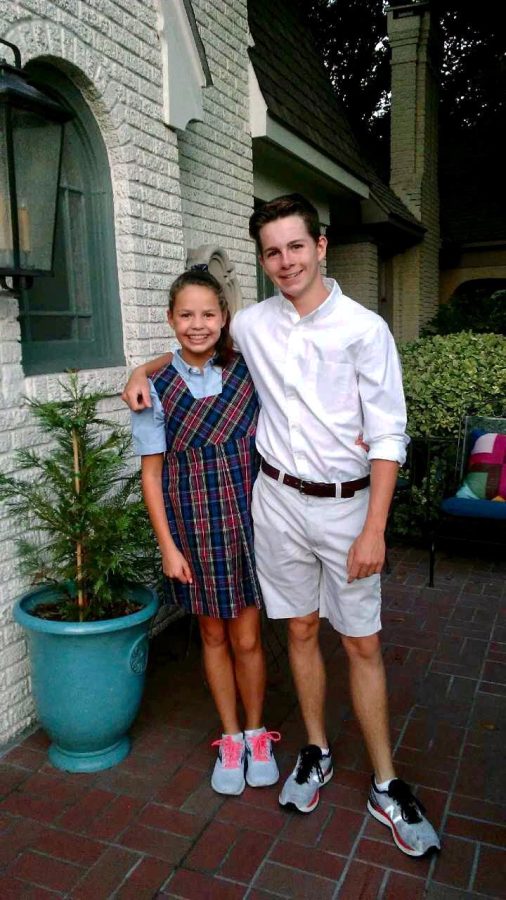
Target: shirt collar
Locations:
point(324, 309)
point(194, 370)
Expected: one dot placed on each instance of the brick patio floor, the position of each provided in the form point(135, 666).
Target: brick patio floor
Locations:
point(152, 827)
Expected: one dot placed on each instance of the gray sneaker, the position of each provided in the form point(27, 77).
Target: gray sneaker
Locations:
point(228, 772)
point(404, 815)
point(301, 789)
point(261, 768)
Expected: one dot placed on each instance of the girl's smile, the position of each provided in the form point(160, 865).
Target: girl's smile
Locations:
point(197, 321)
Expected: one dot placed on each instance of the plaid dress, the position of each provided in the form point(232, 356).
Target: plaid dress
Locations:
point(208, 474)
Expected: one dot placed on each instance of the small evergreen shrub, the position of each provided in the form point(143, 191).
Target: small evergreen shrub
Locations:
point(86, 530)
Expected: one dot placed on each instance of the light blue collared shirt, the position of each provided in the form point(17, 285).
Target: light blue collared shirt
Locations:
point(148, 425)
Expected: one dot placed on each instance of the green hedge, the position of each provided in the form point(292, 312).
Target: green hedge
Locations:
point(445, 378)
point(449, 376)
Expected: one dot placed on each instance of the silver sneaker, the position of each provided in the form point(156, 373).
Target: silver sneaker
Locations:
point(261, 767)
point(302, 788)
point(404, 815)
point(228, 772)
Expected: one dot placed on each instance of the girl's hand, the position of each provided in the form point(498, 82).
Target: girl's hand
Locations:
point(175, 566)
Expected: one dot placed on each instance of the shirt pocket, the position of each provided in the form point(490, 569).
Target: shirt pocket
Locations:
point(334, 385)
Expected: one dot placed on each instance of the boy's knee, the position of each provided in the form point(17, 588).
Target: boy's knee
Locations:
point(362, 648)
point(304, 629)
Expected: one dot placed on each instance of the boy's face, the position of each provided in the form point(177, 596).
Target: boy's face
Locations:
point(290, 257)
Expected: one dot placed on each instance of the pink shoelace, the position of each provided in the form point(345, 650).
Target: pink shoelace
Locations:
point(259, 743)
point(230, 751)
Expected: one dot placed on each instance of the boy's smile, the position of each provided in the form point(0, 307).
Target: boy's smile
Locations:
point(291, 258)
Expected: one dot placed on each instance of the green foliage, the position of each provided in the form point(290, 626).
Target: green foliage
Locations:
point(351, 36)
point(445, 378)
point(472, 309)
point(449, 377)
point(83, 514)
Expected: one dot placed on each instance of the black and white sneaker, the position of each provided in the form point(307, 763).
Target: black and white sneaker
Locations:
point(301, 789)
point(398, 808)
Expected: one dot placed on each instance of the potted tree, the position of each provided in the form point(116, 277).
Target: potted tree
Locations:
point(88, 550)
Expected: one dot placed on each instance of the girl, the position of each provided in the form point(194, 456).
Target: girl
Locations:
point(197, 443)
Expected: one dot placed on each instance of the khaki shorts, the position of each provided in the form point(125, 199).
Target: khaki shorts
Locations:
point(301, 545)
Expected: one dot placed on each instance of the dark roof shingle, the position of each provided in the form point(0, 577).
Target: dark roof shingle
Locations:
point(298, 93)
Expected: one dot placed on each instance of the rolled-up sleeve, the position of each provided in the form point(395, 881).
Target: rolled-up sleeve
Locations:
point(382, 396)
point(148, 427)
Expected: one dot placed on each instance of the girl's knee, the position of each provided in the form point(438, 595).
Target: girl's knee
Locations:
point(212, 631)
point(362, 648)
point(245, 634)
point(246, 643)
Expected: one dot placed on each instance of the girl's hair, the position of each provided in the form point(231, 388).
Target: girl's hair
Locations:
point(201, 277)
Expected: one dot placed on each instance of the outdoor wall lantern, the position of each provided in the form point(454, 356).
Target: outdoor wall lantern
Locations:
point(31, 143)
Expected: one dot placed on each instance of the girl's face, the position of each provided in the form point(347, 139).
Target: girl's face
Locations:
point(197, 321)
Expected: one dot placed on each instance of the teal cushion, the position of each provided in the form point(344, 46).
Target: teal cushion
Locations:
point(475, 509)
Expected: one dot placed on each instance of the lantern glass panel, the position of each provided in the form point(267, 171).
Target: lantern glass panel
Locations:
point(37, 154)
point(6, 251)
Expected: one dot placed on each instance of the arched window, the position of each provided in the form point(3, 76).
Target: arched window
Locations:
point(73, 318)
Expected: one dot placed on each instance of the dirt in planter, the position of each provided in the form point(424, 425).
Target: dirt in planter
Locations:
point(68, 611)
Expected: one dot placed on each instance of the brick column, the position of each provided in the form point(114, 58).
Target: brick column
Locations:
point(355, 268)
point(414, 148)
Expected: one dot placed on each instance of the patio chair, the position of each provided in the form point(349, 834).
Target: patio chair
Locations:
point(428, 458)
point(473, 511)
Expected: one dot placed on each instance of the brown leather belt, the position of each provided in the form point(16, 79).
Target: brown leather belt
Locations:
point(317, 488)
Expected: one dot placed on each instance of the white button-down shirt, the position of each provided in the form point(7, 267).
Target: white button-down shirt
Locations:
point(324, 381)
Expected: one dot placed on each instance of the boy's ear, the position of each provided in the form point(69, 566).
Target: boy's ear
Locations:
point(321, 246)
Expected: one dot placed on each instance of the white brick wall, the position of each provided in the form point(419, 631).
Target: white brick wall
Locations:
point(355, 268)
point(170, 190)
point(215, 155)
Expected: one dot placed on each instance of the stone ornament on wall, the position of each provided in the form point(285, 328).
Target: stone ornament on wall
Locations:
point(223, 269)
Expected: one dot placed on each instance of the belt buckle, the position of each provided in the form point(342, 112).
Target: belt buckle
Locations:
point(303, 486)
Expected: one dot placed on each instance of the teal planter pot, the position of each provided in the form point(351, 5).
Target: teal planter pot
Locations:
point(87, 679)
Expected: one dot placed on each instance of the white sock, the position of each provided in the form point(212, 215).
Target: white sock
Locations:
point(384, 785)
point(235, 737)
point(251, 732)
point(325, 751)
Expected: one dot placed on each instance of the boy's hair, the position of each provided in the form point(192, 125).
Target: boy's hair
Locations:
point(200, 277)
point(280, 208)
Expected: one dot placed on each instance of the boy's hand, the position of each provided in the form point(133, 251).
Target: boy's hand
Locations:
point(136, 391)
point(366, 555)
point(175, 566)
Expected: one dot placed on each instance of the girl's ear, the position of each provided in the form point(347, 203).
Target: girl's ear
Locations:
point(170, 317)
